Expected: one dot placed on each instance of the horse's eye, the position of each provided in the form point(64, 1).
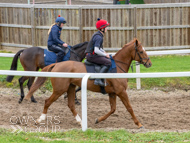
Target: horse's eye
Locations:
point(141, 52)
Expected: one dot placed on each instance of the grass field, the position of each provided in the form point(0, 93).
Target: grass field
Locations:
point(92, 136)
point(136, 1)
point(169, 63)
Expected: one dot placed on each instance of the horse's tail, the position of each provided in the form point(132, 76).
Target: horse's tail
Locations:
point(14, 65)
point(39, 82)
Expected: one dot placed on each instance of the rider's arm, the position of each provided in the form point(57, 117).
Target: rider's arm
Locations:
point(97, 43)
point(55, 33)
point(99, 51)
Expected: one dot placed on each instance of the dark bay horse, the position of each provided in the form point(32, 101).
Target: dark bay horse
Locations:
point(116, 87)
point(32, 59)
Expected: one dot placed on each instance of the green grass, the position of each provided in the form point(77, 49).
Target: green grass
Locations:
point(136, 1)
point(169, 63)
point(91, 136)
point(5, 64)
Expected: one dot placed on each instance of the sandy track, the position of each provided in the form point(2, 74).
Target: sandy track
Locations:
point(156, 110)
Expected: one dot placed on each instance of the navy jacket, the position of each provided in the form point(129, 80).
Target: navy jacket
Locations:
point(54, 36)
point(96, 41)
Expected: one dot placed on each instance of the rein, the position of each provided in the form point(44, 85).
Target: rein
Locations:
point(119, 66)
point(141, 61)
point(70, 48)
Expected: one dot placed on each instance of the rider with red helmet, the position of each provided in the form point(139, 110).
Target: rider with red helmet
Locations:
point(95, 52)
point(55, 44)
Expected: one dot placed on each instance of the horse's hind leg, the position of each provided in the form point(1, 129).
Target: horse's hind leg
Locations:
point(57, 92)
point(112, 100)
point(71, 102)
point(48, 102)
point(21, 82)
point(29, 84)
point(124, 98)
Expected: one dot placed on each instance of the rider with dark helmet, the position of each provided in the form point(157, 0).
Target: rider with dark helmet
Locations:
point(55, 44)
point(95, 52)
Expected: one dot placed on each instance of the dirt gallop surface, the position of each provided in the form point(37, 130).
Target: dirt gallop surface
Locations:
point(156, 110)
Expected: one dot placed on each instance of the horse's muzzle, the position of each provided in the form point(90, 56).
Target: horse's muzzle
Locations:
point(148, 65)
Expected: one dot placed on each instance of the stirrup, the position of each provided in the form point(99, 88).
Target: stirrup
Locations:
point(97, 82)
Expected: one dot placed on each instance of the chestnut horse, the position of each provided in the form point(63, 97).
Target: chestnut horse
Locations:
point(32, 59)
point(115, 87)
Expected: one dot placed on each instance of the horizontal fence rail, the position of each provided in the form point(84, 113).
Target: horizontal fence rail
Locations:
point(95, 75)
point(150, 53)
point(165, 1)
point(86, 76)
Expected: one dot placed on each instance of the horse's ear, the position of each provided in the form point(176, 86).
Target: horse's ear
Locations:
point(137, 42)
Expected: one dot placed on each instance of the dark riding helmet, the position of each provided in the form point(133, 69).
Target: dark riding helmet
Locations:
point(60, 19)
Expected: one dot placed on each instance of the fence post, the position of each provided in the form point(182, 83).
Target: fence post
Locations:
point(80, 25)
point(0, 37)
point(84, 102)
point(135, 22)
point(33, 26)
point(138, 80)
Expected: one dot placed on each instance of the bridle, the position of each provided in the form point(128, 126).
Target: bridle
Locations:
point(141, 60)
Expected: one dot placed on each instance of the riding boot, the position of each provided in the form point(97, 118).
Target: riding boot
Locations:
point(60, 56)
point(101, 82)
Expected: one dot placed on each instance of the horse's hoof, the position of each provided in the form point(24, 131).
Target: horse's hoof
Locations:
point(34, 101)
point(77, 103)
point(38, 121)
point(26, 98)
point(142, 127)
point(20, 101)
point(96, 121)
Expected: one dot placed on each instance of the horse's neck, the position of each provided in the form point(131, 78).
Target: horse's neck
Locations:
point(124, 57)
point(81, 52)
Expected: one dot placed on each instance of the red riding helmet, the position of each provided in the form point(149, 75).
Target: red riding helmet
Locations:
point(101, 23)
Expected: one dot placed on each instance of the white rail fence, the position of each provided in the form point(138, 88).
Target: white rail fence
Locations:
point(150, 53)
point(86, 76)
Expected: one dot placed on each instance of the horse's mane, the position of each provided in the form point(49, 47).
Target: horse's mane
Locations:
point(79, 45)
point(126, 45)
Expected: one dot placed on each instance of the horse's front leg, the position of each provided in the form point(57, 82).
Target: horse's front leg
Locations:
point(124, 98)
point(112, 100)
point(71, 103)
point(76, 100)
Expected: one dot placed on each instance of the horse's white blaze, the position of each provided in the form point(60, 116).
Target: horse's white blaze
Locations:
point(78, 119)
point(42, 117)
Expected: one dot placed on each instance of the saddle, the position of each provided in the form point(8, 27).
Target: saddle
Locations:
point(50, 57)
point(92, 67)
point(95, 68)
